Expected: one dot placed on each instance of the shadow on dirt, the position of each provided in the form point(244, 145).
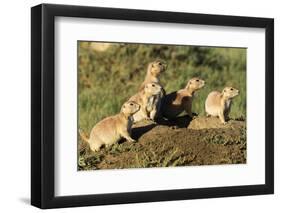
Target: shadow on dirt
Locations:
point(137, 132)
point(180, 122)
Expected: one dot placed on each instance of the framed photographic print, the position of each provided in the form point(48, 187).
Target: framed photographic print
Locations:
point(139, 106)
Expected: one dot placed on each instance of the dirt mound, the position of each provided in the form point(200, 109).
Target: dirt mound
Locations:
point(201, 141)
point(214, 123)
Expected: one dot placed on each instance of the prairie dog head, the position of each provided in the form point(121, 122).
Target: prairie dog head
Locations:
point(152, 88)
point(130, 108)
point(156, 67)
point(195, 84)
point(230, 92)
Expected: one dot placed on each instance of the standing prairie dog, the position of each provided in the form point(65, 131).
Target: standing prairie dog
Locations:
point(154, 70)
point(179, 101)
point(219, 103)
point(111, 129)
point(145, 98)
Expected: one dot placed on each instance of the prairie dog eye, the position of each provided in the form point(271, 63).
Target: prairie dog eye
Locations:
point(153, 85)
point(160, 63)
point(131, 104)
point(197, 80)
point(231, 89)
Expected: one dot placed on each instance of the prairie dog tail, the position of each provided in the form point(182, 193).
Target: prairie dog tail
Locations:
point(83, 136)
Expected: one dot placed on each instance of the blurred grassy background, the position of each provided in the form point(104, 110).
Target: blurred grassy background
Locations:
point(109, 74)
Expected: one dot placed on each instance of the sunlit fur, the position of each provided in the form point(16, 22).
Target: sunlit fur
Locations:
point(111, 129)
point(177, 102)
point(219, 103)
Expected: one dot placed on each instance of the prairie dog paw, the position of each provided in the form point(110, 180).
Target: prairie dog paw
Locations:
point(151, 120)
point(132, 141)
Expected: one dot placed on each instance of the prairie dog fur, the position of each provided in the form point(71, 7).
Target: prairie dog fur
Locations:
point(145, 98)
point(111, 129)
point(154, 70)
point(219, 103)
point(179, 101)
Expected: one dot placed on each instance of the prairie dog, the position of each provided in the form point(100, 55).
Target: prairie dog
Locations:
point(154, 70)
point(219, 103)
point(179, 101)
point(145, 98)
point(111, 129)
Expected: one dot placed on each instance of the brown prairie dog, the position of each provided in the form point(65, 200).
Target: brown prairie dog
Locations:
point(145, 98)
point(111, 129)
point(154, 70)
point(179, 101)
point(219, 103)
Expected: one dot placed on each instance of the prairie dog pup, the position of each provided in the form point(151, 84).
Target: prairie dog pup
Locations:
point(145, 98)
point(111, 129)
point(153, 73)
point(179, 101)
point(219, 103)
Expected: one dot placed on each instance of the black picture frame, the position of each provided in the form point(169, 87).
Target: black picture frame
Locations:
point(43, 102)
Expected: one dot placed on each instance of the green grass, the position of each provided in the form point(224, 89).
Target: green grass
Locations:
point(108, 78)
